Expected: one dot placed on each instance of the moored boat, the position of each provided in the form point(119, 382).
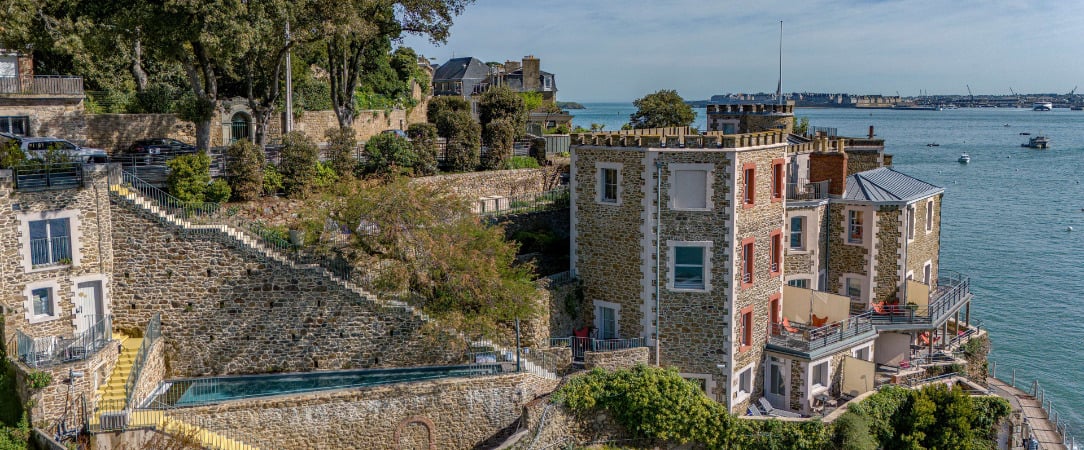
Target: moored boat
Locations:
point(1042, 106)
point(964, 158)
point(1040, 142)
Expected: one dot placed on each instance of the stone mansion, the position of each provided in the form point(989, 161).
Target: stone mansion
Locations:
point(767, 266)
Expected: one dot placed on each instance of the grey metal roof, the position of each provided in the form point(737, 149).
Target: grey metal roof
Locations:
point(887, 185)
point(462, 68)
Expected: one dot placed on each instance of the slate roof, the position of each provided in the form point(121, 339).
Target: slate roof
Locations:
point(887, 185)
point(462, 68)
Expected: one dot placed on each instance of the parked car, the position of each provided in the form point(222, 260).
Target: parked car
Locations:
point(36, 148)
point(160, 146)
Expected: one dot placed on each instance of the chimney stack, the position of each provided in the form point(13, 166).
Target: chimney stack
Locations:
point(829, 166)
point(871, 132)
point(531, 73)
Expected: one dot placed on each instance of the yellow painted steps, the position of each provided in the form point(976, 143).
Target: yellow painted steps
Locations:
point(113, 389)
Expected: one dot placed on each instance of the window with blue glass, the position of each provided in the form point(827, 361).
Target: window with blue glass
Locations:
point(50, 242)
point(797, 227)
point(689, 267)
point(43, 301)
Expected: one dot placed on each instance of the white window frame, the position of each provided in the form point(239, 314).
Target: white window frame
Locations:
point(672, 246)
point(599, 304)
point(808, 282)
point(600, 183)
point(847, 287)
point(850, 215)
point(929, 216)
point(709, 190)
point(868, 348)
point(814, 387)
point(74, 238)
point(801, 233)
point(910, 222)
point(742, 393)
point(709, 382)
point(28, 303)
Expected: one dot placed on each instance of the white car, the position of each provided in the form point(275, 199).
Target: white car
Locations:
point(36, 147)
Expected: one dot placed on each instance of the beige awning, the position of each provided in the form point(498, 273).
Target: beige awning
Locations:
point(858, 376)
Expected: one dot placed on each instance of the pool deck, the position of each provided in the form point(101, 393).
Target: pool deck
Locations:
point(1035, 417)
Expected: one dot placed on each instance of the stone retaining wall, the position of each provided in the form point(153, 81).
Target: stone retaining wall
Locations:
point(152, 374)
point(115, 132)
point(473, 185)
point(457, 413)
point(229, 309)
point(616, 359)
point(50, 402)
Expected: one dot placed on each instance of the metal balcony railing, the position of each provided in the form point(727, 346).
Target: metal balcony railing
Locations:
point(40, 177)
point(805, 190)
point(806, 339)
point(51, 350)
point(581, 345)
point(152, 333)
point(52, 251)
point(952, 290)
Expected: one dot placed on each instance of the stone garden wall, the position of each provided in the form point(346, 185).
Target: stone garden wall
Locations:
point(473, 185)
point(229, 309)
point(616, 359)
point(459, 413)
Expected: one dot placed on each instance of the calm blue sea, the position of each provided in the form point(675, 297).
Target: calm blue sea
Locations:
point(1004, 224)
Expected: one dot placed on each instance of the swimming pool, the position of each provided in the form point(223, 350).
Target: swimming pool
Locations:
point(203, 391)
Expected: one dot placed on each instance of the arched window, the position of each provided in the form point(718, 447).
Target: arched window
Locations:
point(239, 126)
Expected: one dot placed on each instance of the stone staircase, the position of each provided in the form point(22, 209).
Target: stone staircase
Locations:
point(125, 191)
point(112, 391)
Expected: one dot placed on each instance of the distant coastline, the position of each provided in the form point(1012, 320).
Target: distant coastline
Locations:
point(570, 105)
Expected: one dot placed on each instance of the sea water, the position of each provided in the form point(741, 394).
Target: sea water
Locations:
point(1004, 223)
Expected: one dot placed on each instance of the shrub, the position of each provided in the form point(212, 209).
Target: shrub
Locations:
point(852, 433)
point(39, 380)
point(445, 104)
point(244, 169)
point(155, 99)
point(11, 155)
point(298, 167)
point(499, 103)
point(423, 138)
point(218, 191)
point(464, 140)
point(325, 176)
point(522, 162)
point(389, 154)
point(499, 136)
point(189, 176)
point(341, 143)
point(272, 180)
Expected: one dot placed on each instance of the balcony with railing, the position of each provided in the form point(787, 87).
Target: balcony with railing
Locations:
point(48, 176)
point(43, 85)
point(811, 342)
point(52, 350)
point(52, 251)
point(952, 292)
point(804, 190)
point(583, 345)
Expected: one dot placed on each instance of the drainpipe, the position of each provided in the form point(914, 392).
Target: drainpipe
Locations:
point(658, 262)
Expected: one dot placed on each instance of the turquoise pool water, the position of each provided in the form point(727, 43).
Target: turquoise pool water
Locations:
point(203, 391)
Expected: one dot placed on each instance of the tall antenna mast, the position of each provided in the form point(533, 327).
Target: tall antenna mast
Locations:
point(779, 84)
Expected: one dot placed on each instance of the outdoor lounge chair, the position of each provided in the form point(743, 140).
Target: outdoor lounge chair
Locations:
point(771, 411)
point(754, 411)
point(787, 327)
point(819, 321)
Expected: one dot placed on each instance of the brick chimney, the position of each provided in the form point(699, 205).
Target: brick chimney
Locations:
point(531, 69)
point(511, 66)
point(829, 166)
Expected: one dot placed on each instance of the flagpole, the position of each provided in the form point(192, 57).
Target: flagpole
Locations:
point(779, 85)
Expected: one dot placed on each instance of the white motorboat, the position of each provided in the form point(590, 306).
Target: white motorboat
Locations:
point(1042, 106)
point(964, 158)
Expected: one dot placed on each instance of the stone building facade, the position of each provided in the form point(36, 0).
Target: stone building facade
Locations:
point(56, 285)
point(673, 213)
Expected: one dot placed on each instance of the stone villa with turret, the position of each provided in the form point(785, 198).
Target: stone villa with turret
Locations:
point(772, 269)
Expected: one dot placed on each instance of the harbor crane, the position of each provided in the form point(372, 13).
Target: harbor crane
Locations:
point(969, 94)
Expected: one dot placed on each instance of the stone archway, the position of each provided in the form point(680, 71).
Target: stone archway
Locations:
point(240, 127)
point(415, 433)
point(236, 121)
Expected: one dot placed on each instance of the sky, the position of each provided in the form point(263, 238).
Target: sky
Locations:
point(619, 50)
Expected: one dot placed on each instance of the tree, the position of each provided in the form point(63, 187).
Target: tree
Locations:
point(499, 137)
point(389, 154)
point(502, 102)
point(423, 137)
point(445, 104)
point(244, 168)
point(298, 166)
point(664, 108)
point(463, 268)
point(852, 433)
point(354, 26)
point(464, 140)
point(341, 144)
point(11, 155)
point(801, 125)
